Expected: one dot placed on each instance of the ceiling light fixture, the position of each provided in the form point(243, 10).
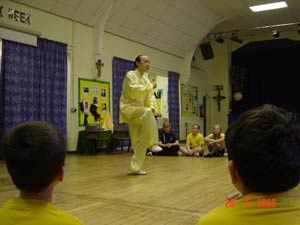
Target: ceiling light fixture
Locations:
point(220, 39)
point(275, 33)
point(235, 38)
point(270, 6)
point(276, 29)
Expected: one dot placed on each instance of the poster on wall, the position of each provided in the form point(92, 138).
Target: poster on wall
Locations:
point(94, 101)
point(189, 100)
point(157, 93)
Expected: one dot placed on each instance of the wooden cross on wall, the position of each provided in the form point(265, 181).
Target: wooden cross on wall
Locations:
point(219, 98)
point(99, 64)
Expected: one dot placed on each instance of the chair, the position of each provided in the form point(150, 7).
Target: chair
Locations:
point(93, 133)
point(120, 134)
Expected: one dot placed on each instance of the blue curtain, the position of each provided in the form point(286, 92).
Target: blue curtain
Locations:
point(34, 83)
point(173, 101)
point(120, 67)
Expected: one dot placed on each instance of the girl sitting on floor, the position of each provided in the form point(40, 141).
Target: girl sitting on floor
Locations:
point(215, 142)
point(194, 143)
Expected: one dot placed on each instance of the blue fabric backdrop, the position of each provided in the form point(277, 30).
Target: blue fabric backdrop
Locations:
point(120, 67)
point(34, 83)
point(173, 101)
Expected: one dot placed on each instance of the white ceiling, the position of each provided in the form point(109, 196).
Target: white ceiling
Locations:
point(174, 26)
point(237, 15)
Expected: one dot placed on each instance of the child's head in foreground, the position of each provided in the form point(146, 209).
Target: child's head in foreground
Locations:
point(34, 153)
point(263, 147)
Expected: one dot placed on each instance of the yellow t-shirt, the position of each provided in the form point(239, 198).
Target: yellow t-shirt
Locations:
point(34, 212)
point(211, 136)
point(195, 141)
point(220, 144)
point(258, 209)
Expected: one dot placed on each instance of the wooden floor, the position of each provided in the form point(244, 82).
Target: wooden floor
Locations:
point(177, 190)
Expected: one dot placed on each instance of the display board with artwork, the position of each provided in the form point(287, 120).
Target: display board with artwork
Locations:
point(94, 101)
point(189, 100)
point(156, 91)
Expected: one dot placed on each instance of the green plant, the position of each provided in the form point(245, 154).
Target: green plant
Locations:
point(237, 76)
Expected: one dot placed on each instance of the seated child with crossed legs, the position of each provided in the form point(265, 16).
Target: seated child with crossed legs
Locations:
point(194, 142)
point(215, 142)
point(168, 142)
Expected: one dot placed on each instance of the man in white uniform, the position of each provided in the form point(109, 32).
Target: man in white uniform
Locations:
point(137, 105)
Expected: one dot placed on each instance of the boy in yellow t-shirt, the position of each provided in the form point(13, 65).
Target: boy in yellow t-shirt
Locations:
point(194, 143)
point(263, 147)
point(34, 153)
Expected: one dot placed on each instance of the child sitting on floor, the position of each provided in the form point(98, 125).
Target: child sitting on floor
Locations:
point(215, 142)
point(167, 141)
point(194, 143)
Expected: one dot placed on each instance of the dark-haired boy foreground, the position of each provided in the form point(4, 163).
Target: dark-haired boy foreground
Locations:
point(263, 147)
point(34, 153)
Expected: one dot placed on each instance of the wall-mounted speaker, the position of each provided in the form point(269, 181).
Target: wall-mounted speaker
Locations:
point(206, 50)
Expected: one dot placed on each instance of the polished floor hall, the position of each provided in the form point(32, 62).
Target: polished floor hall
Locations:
point(177, 190)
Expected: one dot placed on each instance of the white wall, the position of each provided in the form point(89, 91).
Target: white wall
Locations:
point(199, 78)
point(217, 72)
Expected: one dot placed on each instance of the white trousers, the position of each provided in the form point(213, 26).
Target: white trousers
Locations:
point(143, 134)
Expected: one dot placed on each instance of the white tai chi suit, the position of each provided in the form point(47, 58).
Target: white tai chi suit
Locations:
point(136, 103)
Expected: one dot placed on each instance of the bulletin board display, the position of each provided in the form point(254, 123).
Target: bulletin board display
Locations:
point(94, 101)
point(160, 92)
point(189, 100)
point(153, 79)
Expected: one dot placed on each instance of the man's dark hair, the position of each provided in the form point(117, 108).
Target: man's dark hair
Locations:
point(137, 60)
point(264, 144)
point(34, 153)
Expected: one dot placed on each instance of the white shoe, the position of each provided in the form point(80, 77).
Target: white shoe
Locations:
point(196, 154)
point(155, 148)
point(149, 154)
point(140, 172)
point(180, 153)
point(226, 154)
